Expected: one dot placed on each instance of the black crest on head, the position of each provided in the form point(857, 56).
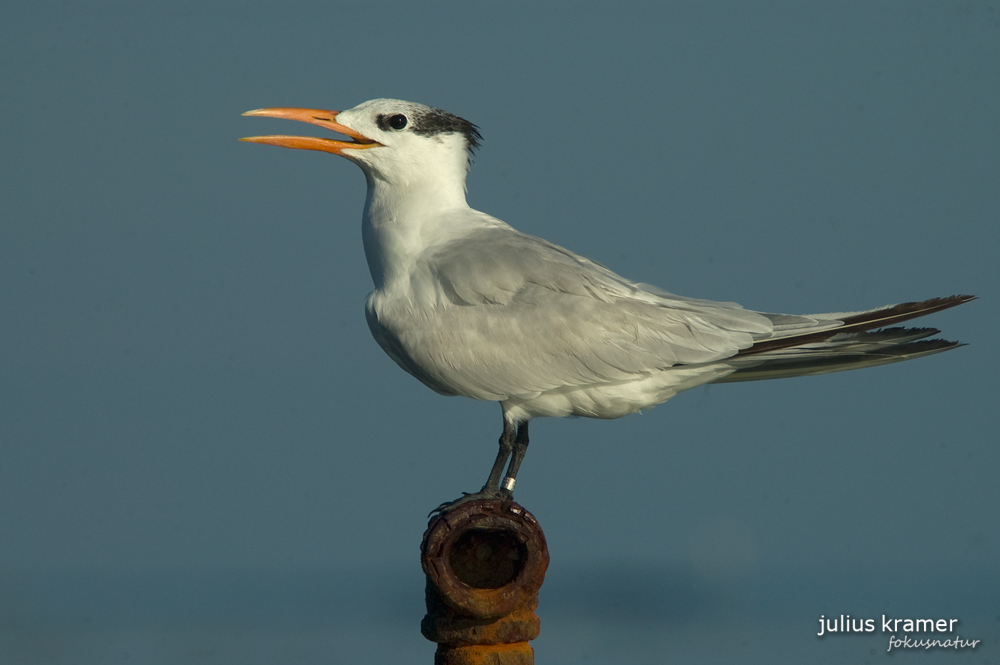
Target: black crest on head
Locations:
point(435, 121)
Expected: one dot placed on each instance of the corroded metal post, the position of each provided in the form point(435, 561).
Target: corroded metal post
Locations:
point(485, 561)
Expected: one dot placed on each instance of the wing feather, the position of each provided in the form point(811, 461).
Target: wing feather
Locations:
point(520, 316)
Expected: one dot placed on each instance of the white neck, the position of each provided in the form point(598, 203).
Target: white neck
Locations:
point(401, 220)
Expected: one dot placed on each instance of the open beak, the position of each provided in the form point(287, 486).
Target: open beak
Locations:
point(325, 119)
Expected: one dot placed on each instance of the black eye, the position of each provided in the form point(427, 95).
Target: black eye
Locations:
point(397, 121)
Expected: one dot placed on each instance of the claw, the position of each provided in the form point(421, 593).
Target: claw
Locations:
point(448, 504)
point(466, 497)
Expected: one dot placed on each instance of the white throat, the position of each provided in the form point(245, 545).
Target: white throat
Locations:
point(407, 211)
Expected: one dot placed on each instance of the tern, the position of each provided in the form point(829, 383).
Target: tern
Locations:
point(470, 306)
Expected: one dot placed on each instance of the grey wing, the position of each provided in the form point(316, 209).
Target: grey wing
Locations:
point(521, 316)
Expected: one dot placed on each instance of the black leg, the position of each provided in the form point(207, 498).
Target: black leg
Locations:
point(513, 444)
point(508, 441)
point(520, 448)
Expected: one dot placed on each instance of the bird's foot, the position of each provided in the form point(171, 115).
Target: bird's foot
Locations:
point(485, 493)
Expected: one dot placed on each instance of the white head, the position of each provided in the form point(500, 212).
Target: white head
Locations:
point(400, 144)
point(415, 160)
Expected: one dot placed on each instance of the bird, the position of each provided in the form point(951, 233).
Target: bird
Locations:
point(472, 307)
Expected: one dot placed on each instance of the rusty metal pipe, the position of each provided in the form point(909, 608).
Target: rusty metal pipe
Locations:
point(485, 561)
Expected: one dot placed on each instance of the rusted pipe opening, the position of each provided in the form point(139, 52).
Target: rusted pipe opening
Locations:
point(487, 558)
point(485, 561)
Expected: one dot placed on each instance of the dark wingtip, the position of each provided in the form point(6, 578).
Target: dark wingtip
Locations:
point(905, 311)
point(869, 320)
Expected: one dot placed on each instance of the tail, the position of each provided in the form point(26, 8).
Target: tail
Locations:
point(852, 344)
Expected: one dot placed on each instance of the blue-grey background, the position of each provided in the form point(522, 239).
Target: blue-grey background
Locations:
point(205, 458)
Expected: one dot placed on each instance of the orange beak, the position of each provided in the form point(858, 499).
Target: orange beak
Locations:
point(325, 119)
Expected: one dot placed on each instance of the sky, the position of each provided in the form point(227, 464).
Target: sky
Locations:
point(204, 457)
